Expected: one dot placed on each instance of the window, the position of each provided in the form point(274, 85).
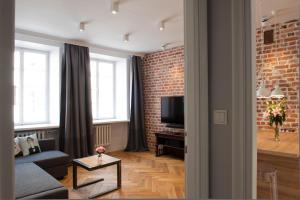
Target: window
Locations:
point(36, 85)
point(109, 85)
point(31, 85)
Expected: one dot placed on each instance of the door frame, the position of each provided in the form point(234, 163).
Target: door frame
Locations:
point(196, 86)
point(244, 153)
point(196, 99)
point(7, 169)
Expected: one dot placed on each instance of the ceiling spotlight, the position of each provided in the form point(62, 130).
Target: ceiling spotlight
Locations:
point(126, 38)
point(114, 7)
point(82, 26)
point(162, 26)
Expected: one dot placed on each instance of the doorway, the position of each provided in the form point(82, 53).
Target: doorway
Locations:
point(277, 72)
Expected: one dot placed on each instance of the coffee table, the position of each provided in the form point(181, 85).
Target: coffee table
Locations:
point(93, 163)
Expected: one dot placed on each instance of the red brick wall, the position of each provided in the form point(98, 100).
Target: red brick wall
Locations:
point(287, 49)
point(163, 76)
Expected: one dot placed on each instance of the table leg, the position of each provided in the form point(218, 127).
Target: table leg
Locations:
point(119, 175)
point(75, 176)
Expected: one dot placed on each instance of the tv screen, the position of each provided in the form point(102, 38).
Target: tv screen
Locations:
point(172, 111)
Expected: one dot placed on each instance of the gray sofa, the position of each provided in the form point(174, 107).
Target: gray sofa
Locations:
point(35, 174)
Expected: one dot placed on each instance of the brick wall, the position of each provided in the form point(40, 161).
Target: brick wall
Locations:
point(287, 49)
point(163, 76)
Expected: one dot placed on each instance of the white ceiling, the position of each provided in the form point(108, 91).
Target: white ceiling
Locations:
point(140, 18)
point(286, 9)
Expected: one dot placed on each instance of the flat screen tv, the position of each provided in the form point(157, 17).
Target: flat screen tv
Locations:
point(172, 111)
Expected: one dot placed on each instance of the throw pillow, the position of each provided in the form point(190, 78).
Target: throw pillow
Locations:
point(17, 147)
point(29, 145)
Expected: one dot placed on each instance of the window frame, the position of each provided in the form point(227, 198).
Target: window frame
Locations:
point(22, 50)
point(97, 60)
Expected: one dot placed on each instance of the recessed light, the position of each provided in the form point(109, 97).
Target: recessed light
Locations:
point(114, 7)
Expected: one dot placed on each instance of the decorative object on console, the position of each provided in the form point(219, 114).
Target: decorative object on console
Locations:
point(29, 145)
point(276, 113)
point(100, 150)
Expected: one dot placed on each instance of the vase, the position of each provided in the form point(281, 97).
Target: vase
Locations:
point(99, 155)
point(276, 134)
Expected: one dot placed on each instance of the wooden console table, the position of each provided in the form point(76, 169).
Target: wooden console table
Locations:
point(170, 143)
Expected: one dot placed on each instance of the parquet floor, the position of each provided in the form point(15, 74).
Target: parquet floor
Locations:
point(143, 176)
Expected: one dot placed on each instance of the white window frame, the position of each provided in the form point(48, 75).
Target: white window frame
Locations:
point(21, 96)
point(97, 60)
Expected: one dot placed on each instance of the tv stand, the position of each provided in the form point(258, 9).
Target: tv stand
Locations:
point(169, 143)
point(180, 126)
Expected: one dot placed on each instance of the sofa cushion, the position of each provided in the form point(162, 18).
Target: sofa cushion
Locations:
point(29, 144)
point(47, 159)
point(32, 180)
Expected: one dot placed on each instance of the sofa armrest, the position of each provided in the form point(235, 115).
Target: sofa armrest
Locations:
point(47, 144)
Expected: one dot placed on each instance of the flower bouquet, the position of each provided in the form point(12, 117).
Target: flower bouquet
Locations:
point(100, 150)
point(276, 114)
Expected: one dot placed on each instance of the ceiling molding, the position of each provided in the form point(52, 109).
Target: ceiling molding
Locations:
point(58, 41)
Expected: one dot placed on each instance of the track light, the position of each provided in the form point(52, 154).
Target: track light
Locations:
point(164, 47)
point(82, 26)
point(162, 26)
point(126, 38)
point(114, 7)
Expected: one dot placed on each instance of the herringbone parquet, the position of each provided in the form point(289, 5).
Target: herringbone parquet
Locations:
point(143, 176)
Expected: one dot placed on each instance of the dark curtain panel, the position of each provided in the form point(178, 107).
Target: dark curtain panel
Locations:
point(75, 103)
point(137, 138)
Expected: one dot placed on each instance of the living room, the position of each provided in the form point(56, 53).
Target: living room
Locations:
point(99, 109)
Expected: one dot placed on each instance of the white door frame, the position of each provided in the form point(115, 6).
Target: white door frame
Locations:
point(7, 169)
point(196, 98)
point(244, 159)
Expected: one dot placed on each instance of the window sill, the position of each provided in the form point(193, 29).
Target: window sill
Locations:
point(55, 126)
point(110, 121)
point(36, 127)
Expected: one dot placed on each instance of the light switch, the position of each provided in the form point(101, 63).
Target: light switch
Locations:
point(220, 117)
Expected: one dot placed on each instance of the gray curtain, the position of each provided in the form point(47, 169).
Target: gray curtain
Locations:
point(137, 138)
point(75, 105)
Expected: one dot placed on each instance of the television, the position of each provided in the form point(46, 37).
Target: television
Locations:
point(172, 111)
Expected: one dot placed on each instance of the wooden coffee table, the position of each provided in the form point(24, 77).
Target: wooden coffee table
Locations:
point(93, 163)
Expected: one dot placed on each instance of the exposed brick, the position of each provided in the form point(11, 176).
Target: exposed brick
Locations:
point(163, 76)
point(286, 49)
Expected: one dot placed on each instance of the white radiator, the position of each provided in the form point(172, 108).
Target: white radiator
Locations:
point(103, 135)
point(40, 134)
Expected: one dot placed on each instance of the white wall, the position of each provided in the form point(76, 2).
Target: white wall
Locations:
point(119, 135)
point(7, 178)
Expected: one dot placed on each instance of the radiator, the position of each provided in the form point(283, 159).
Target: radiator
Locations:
point(40, 134)
point(103, 135)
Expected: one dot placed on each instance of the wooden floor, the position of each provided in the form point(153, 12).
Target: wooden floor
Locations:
point(288, 146)
point(143, 176)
